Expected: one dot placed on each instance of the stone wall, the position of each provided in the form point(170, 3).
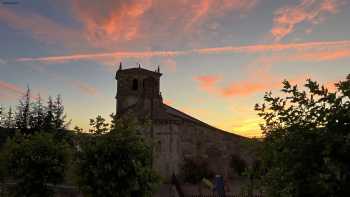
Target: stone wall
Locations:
point(175, 142)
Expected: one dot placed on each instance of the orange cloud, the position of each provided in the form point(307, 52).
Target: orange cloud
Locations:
point(311, 11)
point(111, 21)
point(208, 82)
point(247, 87)
point(334, 49)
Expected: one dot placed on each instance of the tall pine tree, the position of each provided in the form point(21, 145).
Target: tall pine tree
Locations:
point(48, 124)
point(2, 116)
point(37, 115)
point(58, 114)
point(23, 113)
point(9, 122)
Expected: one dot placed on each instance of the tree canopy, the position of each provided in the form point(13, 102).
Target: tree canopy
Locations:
point(116, 163)
point(306, 144)
point(34, 161)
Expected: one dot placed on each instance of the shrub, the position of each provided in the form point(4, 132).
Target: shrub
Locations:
point(118, 163)
point(34, 161)
point(193, 171)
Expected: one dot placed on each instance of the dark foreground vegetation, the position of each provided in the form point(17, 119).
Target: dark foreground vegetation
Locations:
point(305, 150)
point(306, 146)
point(38, 152)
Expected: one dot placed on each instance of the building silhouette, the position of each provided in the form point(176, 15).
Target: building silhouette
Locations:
point(177, 136)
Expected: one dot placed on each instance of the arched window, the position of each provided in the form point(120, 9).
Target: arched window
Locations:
point(135, 84)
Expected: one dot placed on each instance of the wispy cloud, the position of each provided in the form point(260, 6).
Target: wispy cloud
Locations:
point(40, 27)
point(208, 82)
point(10, 89)
point(111, 21)
point(251, 85)
point(341, 48)
point(85, 88)
point(310, 11)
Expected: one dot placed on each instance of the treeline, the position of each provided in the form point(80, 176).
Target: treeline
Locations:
point(32, 114)
point(37, 151)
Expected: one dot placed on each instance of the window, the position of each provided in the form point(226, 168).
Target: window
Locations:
point(135, 84)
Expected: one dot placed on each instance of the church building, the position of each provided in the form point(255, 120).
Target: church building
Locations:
point(177, 136)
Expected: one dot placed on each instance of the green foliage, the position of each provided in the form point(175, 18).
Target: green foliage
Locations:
point(306, 149)
point(34, 161)
point(194, 170)
point(117, 163)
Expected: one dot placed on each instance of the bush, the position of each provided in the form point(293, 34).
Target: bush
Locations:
point(34, 161)
point(193, 171)
point(118, 163)
point(237, 164)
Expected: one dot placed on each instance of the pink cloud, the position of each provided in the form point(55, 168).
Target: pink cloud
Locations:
point(10, 91)
point(85, 88)
point(311, 11)
point(247, 87)
point(334, 49)
point(111, 21)
point(11, 88)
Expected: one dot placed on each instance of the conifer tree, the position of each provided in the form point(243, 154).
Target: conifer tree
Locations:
point(49, 118)
point(9, 121)
point(23, 112)
point(37, 115)
point(2, 116)
point(58, 114)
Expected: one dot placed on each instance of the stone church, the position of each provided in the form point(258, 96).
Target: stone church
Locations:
point(177, 136)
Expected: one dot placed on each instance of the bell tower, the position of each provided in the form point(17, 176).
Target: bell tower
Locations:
point(138, 91)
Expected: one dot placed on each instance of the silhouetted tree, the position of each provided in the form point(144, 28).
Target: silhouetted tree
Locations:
point(48, 124)
point(23, 112)
point(99, 125)
point(2, 116)
point(58, 114)
point(306, 149)
point(9, 121)
point(34, 161)
point(117, 163)
point(37, 116)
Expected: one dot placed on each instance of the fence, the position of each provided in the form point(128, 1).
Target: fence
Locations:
point(235, 195)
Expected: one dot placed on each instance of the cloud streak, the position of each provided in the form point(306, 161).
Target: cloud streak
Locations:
point(10, 90)
point(85, 88)
point(334, 49)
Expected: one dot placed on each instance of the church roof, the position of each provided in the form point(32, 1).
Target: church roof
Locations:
point(179, 114)
point(138, 70)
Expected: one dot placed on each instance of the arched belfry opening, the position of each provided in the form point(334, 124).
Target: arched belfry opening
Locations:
point(135, 84)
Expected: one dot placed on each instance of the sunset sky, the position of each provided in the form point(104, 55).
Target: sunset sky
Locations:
point(218, 57)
